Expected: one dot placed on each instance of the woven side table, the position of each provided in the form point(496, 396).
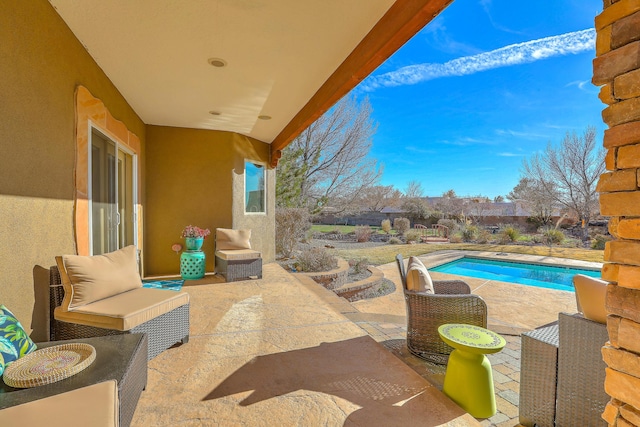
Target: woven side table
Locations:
point(538, 377)
point(192, 265)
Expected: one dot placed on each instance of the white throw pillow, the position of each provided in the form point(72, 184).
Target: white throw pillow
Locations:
point(418, 278)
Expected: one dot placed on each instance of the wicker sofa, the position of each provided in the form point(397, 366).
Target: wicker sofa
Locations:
point(106, 306)
point(450, 302)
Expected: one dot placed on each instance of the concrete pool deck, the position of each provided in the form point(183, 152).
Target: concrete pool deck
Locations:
point(513, 308)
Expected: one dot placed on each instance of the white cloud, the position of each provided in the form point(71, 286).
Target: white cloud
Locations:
point(521, 53)
point(508, 154)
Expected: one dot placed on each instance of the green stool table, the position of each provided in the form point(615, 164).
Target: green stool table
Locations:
point(468, 380)
point(192, 265)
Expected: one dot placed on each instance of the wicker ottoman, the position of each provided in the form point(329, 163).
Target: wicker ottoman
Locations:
point(241, 264)
point(538, 377)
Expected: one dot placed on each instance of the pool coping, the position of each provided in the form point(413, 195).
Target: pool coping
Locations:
point(447, 256)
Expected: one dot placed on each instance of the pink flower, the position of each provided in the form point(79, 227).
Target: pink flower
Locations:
point(193, 231)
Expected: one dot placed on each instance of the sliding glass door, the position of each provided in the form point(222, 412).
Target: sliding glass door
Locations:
point(112, 198)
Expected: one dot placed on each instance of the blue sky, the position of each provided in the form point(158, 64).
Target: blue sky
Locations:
point(484, 85)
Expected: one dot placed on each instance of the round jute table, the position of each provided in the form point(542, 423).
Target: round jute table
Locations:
point(468, 380)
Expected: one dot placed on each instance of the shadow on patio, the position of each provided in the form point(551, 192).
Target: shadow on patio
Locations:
point(278, 351)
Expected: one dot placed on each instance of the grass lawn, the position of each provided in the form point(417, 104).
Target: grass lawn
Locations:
point(387, 253)
point(344, 229)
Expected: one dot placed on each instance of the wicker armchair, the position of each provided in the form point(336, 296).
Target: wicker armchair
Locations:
point(452, 302)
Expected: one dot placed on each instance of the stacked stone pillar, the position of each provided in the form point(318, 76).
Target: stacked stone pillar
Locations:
point(617, 69)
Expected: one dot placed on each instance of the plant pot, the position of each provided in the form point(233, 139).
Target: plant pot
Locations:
point(194, 243)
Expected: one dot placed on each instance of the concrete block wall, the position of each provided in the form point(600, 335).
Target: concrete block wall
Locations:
point(616, 69)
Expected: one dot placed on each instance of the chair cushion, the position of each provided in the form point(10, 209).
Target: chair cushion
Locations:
point(92, 278)
point(590, 297)
point(238, 254)
point(14, 341)
point(125, 311)
point(94, 405)
point(418, 278)
point(227, 239)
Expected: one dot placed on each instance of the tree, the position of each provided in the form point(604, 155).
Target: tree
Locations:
point(450, 204)
point(377, 197)
point(498, 199)
point(569, 173)
point(331, 156)
point(540, 201)
point(414, 190)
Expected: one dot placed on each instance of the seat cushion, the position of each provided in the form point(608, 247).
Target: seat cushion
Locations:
point(418, 278)
point(590, 297)
point(239, 254)
point(227, 239)
point(94, 405)
point(87, 279)
point(125, 311)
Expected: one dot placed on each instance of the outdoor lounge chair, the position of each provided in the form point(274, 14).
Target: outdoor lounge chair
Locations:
point(451, 302)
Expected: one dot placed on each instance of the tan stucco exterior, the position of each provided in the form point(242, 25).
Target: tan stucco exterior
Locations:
point(197, 177)
point(186, 176)
point(42, 64)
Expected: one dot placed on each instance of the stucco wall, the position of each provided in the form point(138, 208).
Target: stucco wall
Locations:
point(197, 177)
point(42, 63)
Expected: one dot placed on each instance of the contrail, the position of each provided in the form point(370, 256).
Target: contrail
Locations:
point(520, 53)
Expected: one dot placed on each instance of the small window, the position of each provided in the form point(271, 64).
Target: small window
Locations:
point(254, 190)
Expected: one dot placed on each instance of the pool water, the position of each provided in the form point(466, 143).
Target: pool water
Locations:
point(542, 276)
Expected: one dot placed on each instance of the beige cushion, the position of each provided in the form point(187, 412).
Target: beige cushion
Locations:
point(95, 405)
point(125, 311)
point(87, 279)
point(238, 254)
point(418, 278)
point(590, 297)
point(232, 239)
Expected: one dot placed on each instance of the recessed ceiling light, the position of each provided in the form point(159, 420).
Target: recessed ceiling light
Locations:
point(214, 113)
point(217, 62)
point(264, 117)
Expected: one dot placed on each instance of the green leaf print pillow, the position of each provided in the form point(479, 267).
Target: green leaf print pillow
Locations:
point(14, 341)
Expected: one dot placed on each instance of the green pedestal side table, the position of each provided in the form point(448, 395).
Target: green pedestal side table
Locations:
point(192, 265)
point(468, 380)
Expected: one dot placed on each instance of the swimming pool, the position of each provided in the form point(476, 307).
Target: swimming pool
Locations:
point(542, 276)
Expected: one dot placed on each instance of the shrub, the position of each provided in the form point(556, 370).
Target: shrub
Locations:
point(469, 233)
point(412, 236)
point(394, 241)
point(291, 226)
point(386, 225)
point(401, 225)
point(484, 236)
point(551, 236)
point(509, 234)
point(316, 259)
point(599, 240)
point(456, 238)
point(363, 233)
point(359, 265)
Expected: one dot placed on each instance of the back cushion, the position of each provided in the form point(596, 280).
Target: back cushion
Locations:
point(418, 278)
point(227, 239)
point(590, 296)
point(93, 278)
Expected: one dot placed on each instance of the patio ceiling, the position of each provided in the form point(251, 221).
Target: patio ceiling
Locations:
point(286, 59)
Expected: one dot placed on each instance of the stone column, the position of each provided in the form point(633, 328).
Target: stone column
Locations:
point(617, 69)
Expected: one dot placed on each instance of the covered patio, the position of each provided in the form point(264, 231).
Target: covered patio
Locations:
point(186, 120)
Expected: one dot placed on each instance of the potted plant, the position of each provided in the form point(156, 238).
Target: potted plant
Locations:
point(194, 237)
